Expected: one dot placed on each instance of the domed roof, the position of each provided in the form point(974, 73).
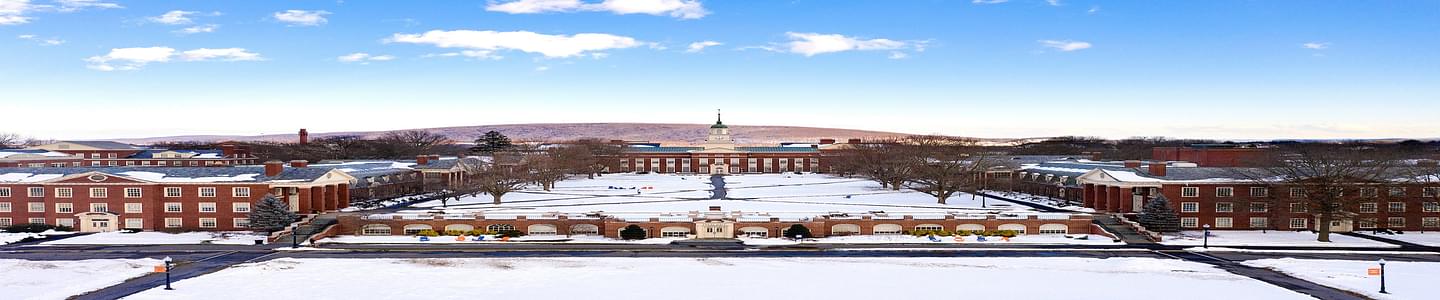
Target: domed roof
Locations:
point(718, 124)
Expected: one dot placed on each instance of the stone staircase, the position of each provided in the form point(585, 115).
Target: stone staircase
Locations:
point(1126, 233)
point(302, 234)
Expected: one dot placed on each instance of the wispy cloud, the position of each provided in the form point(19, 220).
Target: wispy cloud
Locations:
point(1065, 45)
point(124, 59)
point(1315, 45)
point(1053, 2)
point(77, 5)
point(302, 17)
point(363, 58)
point(1093, 10)
point(41, 41)
point(681, 9)
point(811, 44)
point(15, 12)
point(174, 17)
point(989, 1)
point(701, 45)
point(207, 28)
point(485, 43)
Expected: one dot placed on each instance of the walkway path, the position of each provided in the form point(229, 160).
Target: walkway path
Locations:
point(183, 270)
point(1403, 244)
point(719, 183)
point(1124, 232)
point(1267, 275)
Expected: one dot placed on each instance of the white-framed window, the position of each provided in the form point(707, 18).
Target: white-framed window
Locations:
point(64, 193)
point(174, 222)
point(1366, 222)
point(67, 222)
point(1299, 223)
point(240, 207)
point(1369, 207)
point(240, 192)
point(132, 192)
point(1397, 207)
point(1298, 207)
point(5, 207)
point(172, 191)
point(241, 222)
point(207, 207)
point(1430, 222)
point(1297, 193)
point(134, 208)
point(1224, 207)
point(99, 192)
point(1189, 192)
point(1431, 207)
point(1224, 222)
point(36, 192)
point(36, 207)
point(6, 222)
point(112, 155)
point(1369, 192)
point(1259, 222)
point(1224, 191)
point(135, 223)
point(1189, 207)
point(1189, 222)
point(36, 221)
point(95, 164)
point(1427, 192)
point(172, 207)
point(1395, 222)
point(1397, 192)
point(208, 223)
point(100, 207)
point(207, 192)
point(375, 229)
point(64, 208)
point(4, 192)
point(1259, 207)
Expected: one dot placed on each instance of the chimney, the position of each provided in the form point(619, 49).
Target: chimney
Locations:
point(273, 168)
point(827, 141)
point(422, 159)
point(1132, 164)
point(299, 163)
point(227, 150)
point(1157, 169)
point(304, 137)
point(854, 141)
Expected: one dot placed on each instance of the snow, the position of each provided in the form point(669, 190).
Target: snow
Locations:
point(161, 238)
point(716, 278)
point(489, 239)
point(11, 237)
point(159, 177)
point(1271, 238)
point(1024, 239)
point(1424, 238)
point(1403, 279)
point(27, 279)
point(27, 177)
point(7, 154)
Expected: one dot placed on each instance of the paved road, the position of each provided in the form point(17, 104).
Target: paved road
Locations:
point(1268, 276)
point(719, 183)
point(184, 269)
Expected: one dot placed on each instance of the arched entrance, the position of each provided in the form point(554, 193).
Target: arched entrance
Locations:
point(98, 222)
point(719, 169)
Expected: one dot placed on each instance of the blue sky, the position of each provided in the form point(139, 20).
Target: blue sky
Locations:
point(1020, 68)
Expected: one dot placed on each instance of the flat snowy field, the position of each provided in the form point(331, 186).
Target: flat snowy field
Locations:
point(1424, 238)
point(29, 279)
point(1271, 238)
point(13, 237)
point(858, 239)
point(722, 278)
point(783, 194)
point(160, 238)
point(1404, 280)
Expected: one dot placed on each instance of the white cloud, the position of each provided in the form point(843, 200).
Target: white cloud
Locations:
point(1315, 45)
point(488, 42)
point(207, 28)
point(302, 17)
point(76, 5)
point(989, 1)
point(700, 46)
point(1093, 10)
point(12, 12)
point(1053, 2)
point(363, 58)
point(810, 44)
point(174, 17)
point(898, 55)
point(1066, 45)
point(682, 9)
point(136, 58)
point(25, 36)
point(542, 68)
point(42, 42)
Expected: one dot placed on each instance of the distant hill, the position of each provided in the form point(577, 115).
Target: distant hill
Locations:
point(663, 133)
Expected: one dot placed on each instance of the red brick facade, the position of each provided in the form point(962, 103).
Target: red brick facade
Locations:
point(819, 227)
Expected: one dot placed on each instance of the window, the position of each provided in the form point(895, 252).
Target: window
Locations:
point(499, 227)
point(1395, 222)
point(929, 227)
point(67, 222)
point(36, 207)
point(241, 222)
point(1369, 207)
point(1224, 207)
point(207, 192)
point(5, 207)
point(1369, 192)
point(36, 192)
point(1430, 222)
point(240, 192)
point(414, 229)
point(207, 207)
point(37, 221)
point(172, 192)
point(95, 164)
point(1297, 193)
point(1224, 222)
point(173, 223)
point(1054, 229)
point(1189, 192)
point(1259, 191)
point(1397, 207)
point(132, 192)
point(134, 208)
point(100, 207)
point(375, 229)
point(207, 223)
point(1431, 207)
point(1259, 222)
point(64, 193)
point(1367, 222)
point(64, 208)
point(6, 222)
point(1428, 192)
point(1189, 207)
point(1299, 223)
point(240, 207)
point(172, 207)
point(135, 223)
point(1259, 207)
point(1189, 222)
point(99, 192)
point(1225, 192)
point(4, 192)
point(1298, 207)
point(1397, 192)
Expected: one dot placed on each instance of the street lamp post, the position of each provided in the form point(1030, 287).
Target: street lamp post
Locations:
point(1206, 236)
point(295, 236)
point(167, 273)
point(1382, 276)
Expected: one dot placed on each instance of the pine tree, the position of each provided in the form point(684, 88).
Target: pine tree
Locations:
point(799, 230)
point(491, 142)
point(632, 232)
point(1158, 217)
point(271, 214)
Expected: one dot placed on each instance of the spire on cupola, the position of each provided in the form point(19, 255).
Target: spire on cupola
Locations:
point(718, 124)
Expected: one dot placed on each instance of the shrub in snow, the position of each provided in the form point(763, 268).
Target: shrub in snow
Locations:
point(1158, 217)
point(477, 232)
point(632, 232)
point(799, 230)
point(427, 232)
point(941, 232)
point(31, 228)
point(454, 232)
point(271, 214)
point(509, 233)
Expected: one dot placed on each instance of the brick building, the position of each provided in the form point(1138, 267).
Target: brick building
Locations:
point(35, 158)
point(720, 155)
point(113, 154)
point(1212, 155)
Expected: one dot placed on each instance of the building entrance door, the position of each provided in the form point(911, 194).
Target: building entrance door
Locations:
point(97, 222)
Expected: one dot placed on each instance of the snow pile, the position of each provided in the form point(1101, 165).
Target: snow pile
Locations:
point(1403, 279)
point(717, 278)
point(161, 238)
point(1270, 238)
point(28, 279)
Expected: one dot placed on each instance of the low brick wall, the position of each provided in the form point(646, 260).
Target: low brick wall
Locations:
point(819, 227)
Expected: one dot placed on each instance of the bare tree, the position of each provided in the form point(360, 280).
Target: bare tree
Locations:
point(882, 161)
point(547, 168)
point(943, 166)
point(1317, 176)
point(412, 142)
point(10, 140)
point(495, 179)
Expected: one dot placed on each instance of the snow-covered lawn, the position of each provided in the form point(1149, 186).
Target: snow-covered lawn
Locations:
point(396, 239)
point(1024, 239)
point(31, 279)
point(1271, 238)
point(1041, 200)
point(721, 278)
point(1404, 280)
point(1424, 238)
point(14, 237)
point(161, 238)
